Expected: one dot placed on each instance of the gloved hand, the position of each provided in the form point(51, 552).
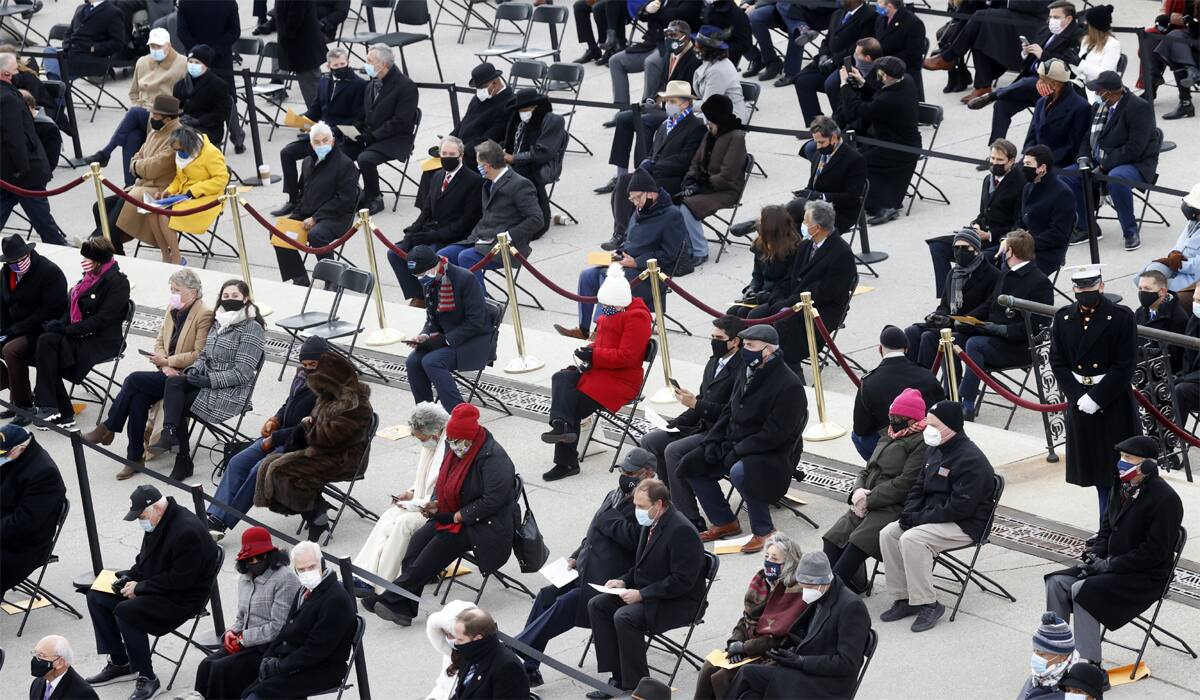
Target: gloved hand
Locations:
point(1089, 557)
point(585, 354)
point(433, 342)
point(735, 651)
point(1087, 405)
point(268, 667)
point(443, 518)
point(647, 164)
point(54, 326)
point(689, 190)
point(786, 658)
point(906, 521)
point(825, 65)
point(1099, 566)
point(999, 330)
point(198, 380)
point(713, 453)
point(731, 458)
point(416, 238)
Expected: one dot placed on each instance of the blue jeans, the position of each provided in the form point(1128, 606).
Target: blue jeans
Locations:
point(695, 231)
point(712, 500)
point(130, 135)
point(427, 370)
point(589, 284)
point(989, 353)
point(237, 486)
point(1122, 197)
point(466, 256)
point(865, 444)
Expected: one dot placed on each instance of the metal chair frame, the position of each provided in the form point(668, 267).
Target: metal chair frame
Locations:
point(345, 497)
point(410, 14)
point(513, 12)
point(555, 18)
point(964, 573)
point(724, 238)
point(59, 32)
point(189, 640)
point(360, 628)
point(929, 115)
point(98, 383)
point(868, 654)
point(33, 588)
point(329, 272)
point(359, 282)
point(222, 432)
point(462, 376)
point(385, 186)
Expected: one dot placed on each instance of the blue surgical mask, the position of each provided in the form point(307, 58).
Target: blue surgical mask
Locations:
point(772, 570)
point(643, 517)
point(146, 525)
point(195, 70)
point(371, 70)
point(880, 10)
point(158, 54)
point(1037, 664)
point(753, 358)
point(804, 232)
point(322, 151)
point(481, 170)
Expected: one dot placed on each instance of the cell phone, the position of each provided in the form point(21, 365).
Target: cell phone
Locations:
point(1024, 41)
point(147, 353)
point(675, 384)
point(848, 62)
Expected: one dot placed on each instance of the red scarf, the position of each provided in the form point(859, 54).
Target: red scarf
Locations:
point(451, 477)
point(782, 609)
point(913, 429)
point(89, 280)
point(445, 301)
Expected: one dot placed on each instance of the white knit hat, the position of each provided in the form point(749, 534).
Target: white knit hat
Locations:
point(615, 290)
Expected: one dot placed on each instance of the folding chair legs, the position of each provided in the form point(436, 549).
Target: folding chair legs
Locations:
point(965, 574)
point(34, 590)
point(188, 641)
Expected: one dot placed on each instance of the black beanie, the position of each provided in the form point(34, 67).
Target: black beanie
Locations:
point(203, 53)
point(950, 413)
point(642, 181)
point(95, 253)
point(892, 338)
point(312, 349)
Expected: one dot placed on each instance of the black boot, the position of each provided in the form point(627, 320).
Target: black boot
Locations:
point(1184, 110)
point(183, 467)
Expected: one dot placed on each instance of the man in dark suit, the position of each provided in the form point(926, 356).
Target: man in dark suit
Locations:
point(97, 33)
point(1060, 119)
point(457, 332)
point(31, 499)
point(388, 124)
point(1047, 212)
point(838, 175)
point(54, 677)
point(22, 159)
point(607, 550)
point(852, 21)
point(487, 668)
point(902, 34)
point(662, 590)
point(1123, 143)
point(1187, 381)
point(882, 385)
point(1160, 308)
point(449, 210)
point(488, 112)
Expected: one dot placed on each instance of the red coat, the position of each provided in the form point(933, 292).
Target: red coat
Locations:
point(617, 355)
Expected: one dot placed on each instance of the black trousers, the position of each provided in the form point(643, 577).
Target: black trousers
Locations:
point(131, 408)
point(224, 675)
point(429, 552)
point(37, 210)
point(849, 564)
point(568, 403)
point(1188, 396)
point(324, 232)
point(53, 361)
point(124, 643)
point(608, 14)
point(289, 156)
point(554, 612)
point(178, 396)
point(619, 632)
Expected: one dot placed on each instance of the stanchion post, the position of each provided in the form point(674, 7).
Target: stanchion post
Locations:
point(948, 360)
point(255, 141)
point(867, 257)
point(214, 601)
point(385, 335)
point(654, 276)
point(824, 429)
point(455, 116)
point(360, 660)
point(1089, 203)
point(85, 500)
point(235, 205)
point(522, 362)
point(97, 179)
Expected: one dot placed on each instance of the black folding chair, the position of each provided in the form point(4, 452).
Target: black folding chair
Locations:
point(928, 115)
point(555, 19)
point(33, 588)
point(566, 78)
point(527, 71)
point(411, 14)
point(189, 640)
point(724, 239)
point(1140, 196)
point(963, 573)
point(99, 382)
point(868, 653)
point(97, 78)
point(469, 13)
point(360, 628)
point(385, 186)
point(222, 432)
point(359, 282)
point(345, 499)
point(462, 375)
point(622, 418)
point(501, 290)
point(366, 12)
point(514, 12)
point(751, 92)
point(328, 272)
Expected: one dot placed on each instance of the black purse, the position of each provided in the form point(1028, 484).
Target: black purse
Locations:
point(528, 545)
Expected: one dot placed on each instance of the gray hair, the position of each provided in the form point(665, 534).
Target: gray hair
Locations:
point(320, 129)
point(429, 418)
point(8, 61)
point(821, 213)
point(186, 139)
point(310, 547)
point(188, 280)
point(384, 53)
point(490, 152)
point(462, 148)
point(791, 556)
point(825, 126)
point(337, 52)
point(61, 647)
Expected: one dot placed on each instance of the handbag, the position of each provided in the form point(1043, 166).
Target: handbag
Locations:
point(528, 545)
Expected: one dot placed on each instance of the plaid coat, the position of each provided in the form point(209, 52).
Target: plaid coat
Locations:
point(264, 604)
point(230, 358)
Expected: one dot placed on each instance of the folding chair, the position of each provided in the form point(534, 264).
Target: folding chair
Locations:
point(555, 19)
point(411, 14)
point(1140, 195)
point(798, 476)
point(33, 588)
point(99, 382)
point(223, 432)
point(963, 573)
point(526, 70)
point(345, 498)
point(723, 237)
point(513, 12)
point(1015, 378)
point(360, 627)
point(568, 78)
point(97, 79)
point(22, 15)
point(467, 7)
point(495, 311)
point(868, 653)
point(622, 418)
point(385, 186)
point(359, 282)
point(502, 290)
point(329, 272)
point(505, 580)
point(860, 224)
point(928, 115)
point(274, 93)
point(189, 640)
point(366, 11)
point(751, 92)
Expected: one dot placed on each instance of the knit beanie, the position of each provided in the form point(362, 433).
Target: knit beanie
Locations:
point(950, 413)
point(909, 404)
point(971, 236)
point(202, 53)
point(1053, 636)
point(313, 347)
point(464, 422)
point(1100, 17)
point(642, 181)
point(892, 338)
point(615, 289)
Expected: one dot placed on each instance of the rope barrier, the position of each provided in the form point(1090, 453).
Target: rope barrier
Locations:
point(159, 210)
point(837, 354)
point(937, 362)
point(717, 313)
point(22, 192)
point(403, 255)
point(537, 274)
point(1003, 390)
point(318, 250)
point(1167, 423)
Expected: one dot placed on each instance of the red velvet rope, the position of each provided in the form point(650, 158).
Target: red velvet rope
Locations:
point(1003, 391)
point(551, 285)
point(160, 210)
point(837, 354)
point(320, 250)
point(937, 361)
point(22, 192)
point(404, 256)
point(716, 313)
point(1167, 423)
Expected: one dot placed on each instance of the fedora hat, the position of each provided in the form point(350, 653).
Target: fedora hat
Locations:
point(483, 74)
point(1055, 69)
point(166, 104)
point(528, 97)
point(15, 248)
point(678, 88)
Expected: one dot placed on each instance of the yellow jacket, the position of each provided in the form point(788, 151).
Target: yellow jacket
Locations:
point(204, 178)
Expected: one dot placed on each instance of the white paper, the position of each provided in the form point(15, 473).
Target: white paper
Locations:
point(602, 589)
point(657, 421)
point(145, 198)
point(558, 573)
point(348, 131)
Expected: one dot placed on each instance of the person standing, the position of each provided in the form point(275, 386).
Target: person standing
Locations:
point(22, 158)
point(301, 44)
point(216, 24)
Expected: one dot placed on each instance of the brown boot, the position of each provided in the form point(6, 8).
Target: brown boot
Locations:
point(937, 63)
point(99, 435)
point(718, 532)
point(756, 543)
point(417, 303)
point(128, 471)
point(576, 333)
point(977, 92)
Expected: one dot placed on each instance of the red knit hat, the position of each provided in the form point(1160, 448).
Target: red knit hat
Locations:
point(908, 404)
point(255, 541)
point(464, 422)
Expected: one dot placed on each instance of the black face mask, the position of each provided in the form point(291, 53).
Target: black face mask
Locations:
point(39, 667)
point(897, 424)
point(157, 124)
point(1030, 173)
point(450, 163)
point(343, 73)
point(1189, 212)
point(826, 150)
point(964, 256)
point(999, 169)
point(257, 568)
point(677, 45)
point(627, 483)
point(232, 304)
point(719, 347)
point(1088, 299)
point(1146, 299)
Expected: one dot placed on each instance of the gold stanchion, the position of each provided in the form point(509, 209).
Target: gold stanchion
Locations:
point(522, 362)
point(948, 358)
point(654, 276)
point(823, 429)
point(385, 335)
point(97, 177)
point(234, 203)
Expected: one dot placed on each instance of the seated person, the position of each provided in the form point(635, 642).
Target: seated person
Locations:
point(457, 334)
point(866, 52)
point(1001, 340)
point(153, 167)
point(487, 115)
point(489, 667)
point(385, 546)
point(311, 650)
point(1060, 116)
point(966, 290)
point(775, 248)
point(327, 202)
point(646, 56)
point(1053, 653)
point(606, 551)
point(327, 446)
point(797, 21)
point(877, 497)
point(88, 333)
point(31, 499)
point(895, 372)
point(180, 339)
point(1187, 381)
point(755, 442)
point(610, 24)
point(1160, 309)
point(1171, 43)
point(999, 209)
point(1099, 50)
point(607, 374)
point(717, 174)
point(850, 25)
point(665, 587)
point(54, 674)
point(170, 581)
point(385, 124)
point(154, 76)
point(717, 73)
point(97, 33)
point(948, 506)
point(773, 602)
point(201, 176)
point(1046, 209)
point(439, 629)
point(265, 585)
point(838, 175)
point(33, 292)
point(339, 102)
point(241, 471)
point(1123, 573)
point(1182, 264)
point(471, 511)
point(204, 95)
point(534, 144)
point(731, 19)
point(449, 210)
point(823, 651)
point(656, 232)
point(217, 385)
point(45, 127)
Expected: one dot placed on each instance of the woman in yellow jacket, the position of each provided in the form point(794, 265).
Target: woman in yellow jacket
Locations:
point(200, 175)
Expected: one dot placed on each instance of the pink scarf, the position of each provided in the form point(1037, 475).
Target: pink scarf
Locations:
point(913, 429)
point(89, 280)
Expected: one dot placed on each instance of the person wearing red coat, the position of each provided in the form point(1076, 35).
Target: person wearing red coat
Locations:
point(607, 375)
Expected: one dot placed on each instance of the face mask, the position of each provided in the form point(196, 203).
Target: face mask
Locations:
point(626, 483)
point(451, 163)
point(826, 150)
point(371, 70)
point(258, 568)
point(39, 667)
point(429, 444)
point(1190, 213)
point(1196, 309)
point(1056, 25)
point(175, 301)
point(87, 265)
point(1146, 299)
point(880, 10)
point(932, 436)
point(1089, 298)
point(158, 54)
point(343, 73)
point(322, 151)
point(195, 69)
point(811, 595)
point(863, 65)
point(898, 424)
point(676, 45)
point(146, 525)
point(999, 169)
point(157, 124)
point(719, 347)
point(1030, 173)
point(232, 304)
point(483, 95)
point(525, 116)
point(481, 170)
point(643, 517)
point(673, 110)
point(752, 357)
point(23, 264)
point(309, 579)
point(460, 447)
point(609, 310)
point(772, 570)
point(804, 232)
point(1074, 696)
point(964, 256)
point(1037, 665)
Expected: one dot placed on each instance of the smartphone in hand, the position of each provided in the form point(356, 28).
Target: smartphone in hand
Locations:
point(848, 63)
point(147, 353)
point(1024, 41)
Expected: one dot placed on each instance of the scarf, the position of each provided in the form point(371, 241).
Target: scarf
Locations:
point(424, 464)
point(445, 300)
point(917, 427)
point(226, 320)
point(784, 606)
point(89, 280)
point(958, 280)
point(451, 477)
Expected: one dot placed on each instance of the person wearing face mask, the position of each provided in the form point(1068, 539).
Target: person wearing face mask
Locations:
point(487, 668)
point(1060, 115)
point(607, 551)
point(1093, 352)
point(775, 250)
point(264, 583)
point(33, 291)
point(1053, 653)
point(310, 651)
point(901, 33)
point(773, 602)
point(534, 144)
point(823, 650)
point(866, 52)
point(716, 176)
point(1181, 265)
point(387, 123)
point(327, 203)
point(153, 167)
point(203, 95)
point(663, 587)
point(179, 341)
point(837, 174)
point(948, 506)
point(487, 114)
point(895, 374)
point(1046, 209)
point(1126, 565)
point(96, 34)
point(54, 676)
point(1160, 309)
point(800, 23)
point(31, 498)
point(644, 56)
point(966, 290)
point(471, 511)
point(850, 28)
point(1083, 681)
point(509, 203)
point(170, 581)
point(1187, 380)
point(200, 176)
point(439, 629)
point(23, 159)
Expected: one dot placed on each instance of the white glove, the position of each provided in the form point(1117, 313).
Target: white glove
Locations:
point(1087, 405)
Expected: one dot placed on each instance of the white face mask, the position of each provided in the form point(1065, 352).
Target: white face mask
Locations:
point(483, 95)
point(525, 116)
point(309, 579)
point(811, 595)
point(430, 444)
point(146, 525)
point(1196, 309)
point(933, 436)
point(1074, 696)
point(181, 163)
point(158, 54)
point(1056, 25)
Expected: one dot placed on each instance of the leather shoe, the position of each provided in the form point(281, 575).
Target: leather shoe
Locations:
point(416, 303)
point(753, 69)
point(977, 92)
point(588, 56)
point(784, 81)
point(559, 432)
point(755, 544)
point(576, 332)
point(375, 206)
point(560, 472)
point(600, 694)
point(719, 532)
point(607, 187)
point(128, 471)
point(1183, 111)
point(883, 216)
point(99, 435)
point(937, 63)
point(981, 101)
point(286, 209)
point(98, 157)
point(771, 72)
point(613, 243)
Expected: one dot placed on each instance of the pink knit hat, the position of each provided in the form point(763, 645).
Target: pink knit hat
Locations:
point(908, 404)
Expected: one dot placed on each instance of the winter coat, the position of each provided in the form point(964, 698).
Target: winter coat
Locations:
point(657, 231)
point(447, 216)
point(301, 43)
point(328, 190)
point(883, 384)
point(468, 328)
point(715, 390)
point(437, 626)
point(617, 357)
point(211, 22)
point(152, 78)
point(498, 673)
point(730, 17)
point(720, 174)
point(1060, 125)
point(97, 34)
point(203, 179)
point(314, 644)
point(487, 507)
point(669, 572)
point(389, 115)
point(510, 204)
point(1003, 25)
point(956, 485)
point(607, 550)
point(720, 78)
point(483, 121)
point(672, 152)
point(263, 604)
point(31, 498)
point(192, 337)
point(1129, 137)
point(889, 476)
point(841, 183)
point(753, 605)
point(1048, 214)
point(229, 359)
point(327, 449)
point(537, 146)
point(338, 102)
point(205, 102)
point(23, 159)
point(97, 337)
point(154, 167)
point(39, 296)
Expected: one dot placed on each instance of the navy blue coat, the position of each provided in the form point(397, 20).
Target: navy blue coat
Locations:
point(656, 232)
point(1061, 128)
point(1048, 214)
point(468, 329)
point(1129, 137)
point(606, 551)
point(338, 102)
